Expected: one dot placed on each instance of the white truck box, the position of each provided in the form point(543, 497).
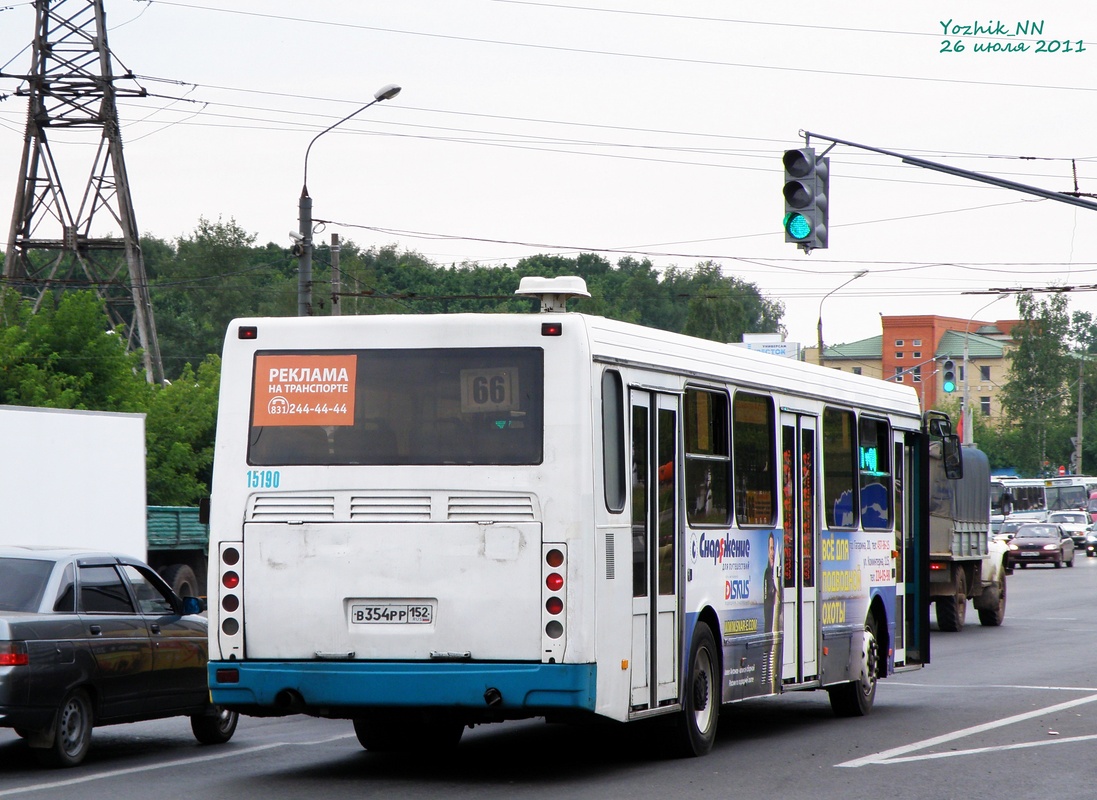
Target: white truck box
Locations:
point(73, 479)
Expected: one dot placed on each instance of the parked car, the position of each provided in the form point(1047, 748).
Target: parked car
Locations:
point(1073, 522)
point(90, 639)
point(1041, 543)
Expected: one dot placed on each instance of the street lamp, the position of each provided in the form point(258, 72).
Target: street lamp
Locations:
point(860, 274)
point(304, 245)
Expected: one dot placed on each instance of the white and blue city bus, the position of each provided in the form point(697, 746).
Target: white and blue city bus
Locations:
point(426, 522)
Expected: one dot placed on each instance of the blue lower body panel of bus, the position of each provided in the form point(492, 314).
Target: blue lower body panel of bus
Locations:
point(298, 686)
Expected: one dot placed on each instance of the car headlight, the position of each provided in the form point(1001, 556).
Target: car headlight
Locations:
point(1012, 546)
point(1051, 547)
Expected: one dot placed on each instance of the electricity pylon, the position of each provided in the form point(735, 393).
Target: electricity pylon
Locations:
point(71, 87)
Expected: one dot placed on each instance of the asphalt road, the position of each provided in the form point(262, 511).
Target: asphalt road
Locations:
point(1006, 712)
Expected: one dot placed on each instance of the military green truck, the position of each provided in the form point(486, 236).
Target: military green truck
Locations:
point(965, 562)
point(178, 548)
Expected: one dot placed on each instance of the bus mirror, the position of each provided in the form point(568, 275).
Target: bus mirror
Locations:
point(953, 457)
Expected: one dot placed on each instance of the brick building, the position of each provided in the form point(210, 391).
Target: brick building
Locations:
point(912, 349)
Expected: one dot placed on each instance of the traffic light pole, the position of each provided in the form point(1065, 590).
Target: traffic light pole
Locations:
point(1060, 197)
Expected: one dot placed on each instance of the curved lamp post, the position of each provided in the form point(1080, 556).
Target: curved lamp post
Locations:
point(860, 274)
point(304, 271)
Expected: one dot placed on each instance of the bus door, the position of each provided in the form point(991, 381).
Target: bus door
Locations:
point(800, 520)
point(656, 464)
point(904, 540)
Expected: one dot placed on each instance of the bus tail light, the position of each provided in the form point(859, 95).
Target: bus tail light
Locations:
point(554, 597)
point(230, 596)
point(14, 654)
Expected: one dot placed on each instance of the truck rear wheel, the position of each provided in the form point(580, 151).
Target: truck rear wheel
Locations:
point(181, 579)
point(952, 610)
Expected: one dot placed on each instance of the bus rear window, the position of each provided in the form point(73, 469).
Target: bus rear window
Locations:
point(398, 407)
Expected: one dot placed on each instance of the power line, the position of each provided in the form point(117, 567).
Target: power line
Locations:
point(619, 54)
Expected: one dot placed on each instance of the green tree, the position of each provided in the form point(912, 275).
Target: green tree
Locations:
point(1035, 397)
point(216, 274)
point(179, 429)
point(723, 309)
point(64, 356)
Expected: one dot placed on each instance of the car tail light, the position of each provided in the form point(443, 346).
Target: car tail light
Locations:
point(13, 654)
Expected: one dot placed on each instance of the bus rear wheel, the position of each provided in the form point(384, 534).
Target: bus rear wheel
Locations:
point(700, 696)
point(408, 730)
point(855, 698)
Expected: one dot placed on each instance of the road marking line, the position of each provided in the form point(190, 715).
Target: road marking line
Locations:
point(970, 687)
point(887, 755)
point(231, 753)
point(994, 749)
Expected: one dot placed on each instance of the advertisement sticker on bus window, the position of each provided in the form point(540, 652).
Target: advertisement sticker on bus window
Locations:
point(304, 390)
point(489, 390)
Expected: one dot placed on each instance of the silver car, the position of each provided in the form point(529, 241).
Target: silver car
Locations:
point(1073, 522)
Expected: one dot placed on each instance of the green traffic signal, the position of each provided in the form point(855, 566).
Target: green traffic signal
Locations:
point(805, 192)
point(797, 225)
point(948, 379)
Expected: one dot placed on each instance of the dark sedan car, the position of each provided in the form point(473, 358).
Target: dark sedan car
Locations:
point(1041, 543)
point(89, 639)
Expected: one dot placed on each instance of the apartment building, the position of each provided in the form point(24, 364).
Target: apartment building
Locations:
point(913, 350)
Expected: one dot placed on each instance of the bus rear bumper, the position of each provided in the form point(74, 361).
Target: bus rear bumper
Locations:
point(324, 688)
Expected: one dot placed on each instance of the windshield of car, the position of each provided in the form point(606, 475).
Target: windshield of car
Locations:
point(22, 582)
point(1009, 527)
point(1038, 532)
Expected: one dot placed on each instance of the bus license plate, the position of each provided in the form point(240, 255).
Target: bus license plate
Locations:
point(392, 614)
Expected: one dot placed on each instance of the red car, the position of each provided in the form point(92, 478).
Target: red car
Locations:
point(1040, 543)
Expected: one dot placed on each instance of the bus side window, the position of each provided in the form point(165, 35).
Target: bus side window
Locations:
point(754, 435)
point(708, 460)
point(840, 468)
point(613, 440)
point(875, 473)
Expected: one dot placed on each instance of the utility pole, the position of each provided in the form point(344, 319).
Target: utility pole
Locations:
point(71, 85)
point(336, 281)
point(1078, 443)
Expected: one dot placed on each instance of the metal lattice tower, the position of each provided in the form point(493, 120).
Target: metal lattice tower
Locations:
point(72, 86)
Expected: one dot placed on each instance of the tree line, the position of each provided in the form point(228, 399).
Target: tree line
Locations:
point(63, 356)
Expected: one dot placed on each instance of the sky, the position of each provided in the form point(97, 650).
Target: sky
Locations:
point(621, 127)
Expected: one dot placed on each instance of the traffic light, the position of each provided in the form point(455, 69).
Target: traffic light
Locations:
point(948, 379)
point(807, 183)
